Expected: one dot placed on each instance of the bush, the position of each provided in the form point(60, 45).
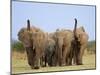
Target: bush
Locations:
point(17, 46)
point(91, 47)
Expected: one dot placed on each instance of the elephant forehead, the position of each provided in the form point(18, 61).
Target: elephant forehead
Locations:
point(38, 35)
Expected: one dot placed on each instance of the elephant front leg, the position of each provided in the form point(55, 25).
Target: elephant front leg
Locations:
point(65, 57)
point(71, 54)
point(30, 56)
point(37, 60)
point(60, 59)
point(37, 63)
point(80, 56)
point(43, 61)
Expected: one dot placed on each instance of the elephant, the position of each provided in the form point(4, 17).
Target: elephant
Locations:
point(24, 35)
point(79, 44)
point(63, 39)
point(50, 52)
point(37, 45)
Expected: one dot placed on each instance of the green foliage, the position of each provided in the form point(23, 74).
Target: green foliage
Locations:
point(17, 46)
point(92, 46)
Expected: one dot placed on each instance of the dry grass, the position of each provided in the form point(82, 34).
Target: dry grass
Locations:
point(20, 65)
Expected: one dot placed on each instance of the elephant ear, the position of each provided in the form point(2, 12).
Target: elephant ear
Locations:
point(30, 34)
point(82, 29)
point(28, 24)
point(79, 37)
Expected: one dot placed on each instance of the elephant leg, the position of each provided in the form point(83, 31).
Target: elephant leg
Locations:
point(71, 55)
point(65, 58)
point(60, 57)
point(37, 60)
point(80, 55)
point(56, 57)
point(69, 62)
point(50, 61)
point(53, 59)
point(75, 54)
point(43, 61)
point(30, 56)
point(37, 63)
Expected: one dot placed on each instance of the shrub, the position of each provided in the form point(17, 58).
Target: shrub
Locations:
point(17, 46)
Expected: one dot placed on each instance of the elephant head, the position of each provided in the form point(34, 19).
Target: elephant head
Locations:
point(24, 35)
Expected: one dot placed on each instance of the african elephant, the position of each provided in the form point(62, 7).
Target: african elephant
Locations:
point(50, 52)
point(63, 39)
point(79, 43)
point(24, 35)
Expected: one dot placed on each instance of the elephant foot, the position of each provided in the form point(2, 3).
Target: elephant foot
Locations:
point(37, 67)
point(68, 64)
point(60, 64)
point(43, 65)
point(79, 64)
point(32, 67)
point(63, 64)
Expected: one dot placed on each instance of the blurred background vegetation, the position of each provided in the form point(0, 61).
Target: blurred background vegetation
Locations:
point(17, 46)
point(91, 48)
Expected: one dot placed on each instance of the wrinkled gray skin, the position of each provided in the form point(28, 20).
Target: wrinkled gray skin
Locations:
point(63, 39)
point(24, 35)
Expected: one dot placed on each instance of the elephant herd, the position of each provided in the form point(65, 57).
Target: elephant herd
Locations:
point(60, 48)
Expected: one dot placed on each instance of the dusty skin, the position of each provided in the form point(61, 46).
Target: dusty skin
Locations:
point(20, 65)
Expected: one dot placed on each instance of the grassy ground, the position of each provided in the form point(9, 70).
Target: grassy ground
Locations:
point(20, 65)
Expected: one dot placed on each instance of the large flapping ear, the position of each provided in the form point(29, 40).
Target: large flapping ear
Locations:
point(28, 24)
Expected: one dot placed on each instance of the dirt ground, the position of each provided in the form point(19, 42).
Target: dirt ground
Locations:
point(20, 65)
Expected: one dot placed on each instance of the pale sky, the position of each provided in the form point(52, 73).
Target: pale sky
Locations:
point(49, 16)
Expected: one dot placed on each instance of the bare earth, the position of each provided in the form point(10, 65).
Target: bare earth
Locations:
point(20, 65)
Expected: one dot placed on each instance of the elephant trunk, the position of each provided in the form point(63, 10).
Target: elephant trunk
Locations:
point(28, 24)
point(75, 27)
point(59, 50)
